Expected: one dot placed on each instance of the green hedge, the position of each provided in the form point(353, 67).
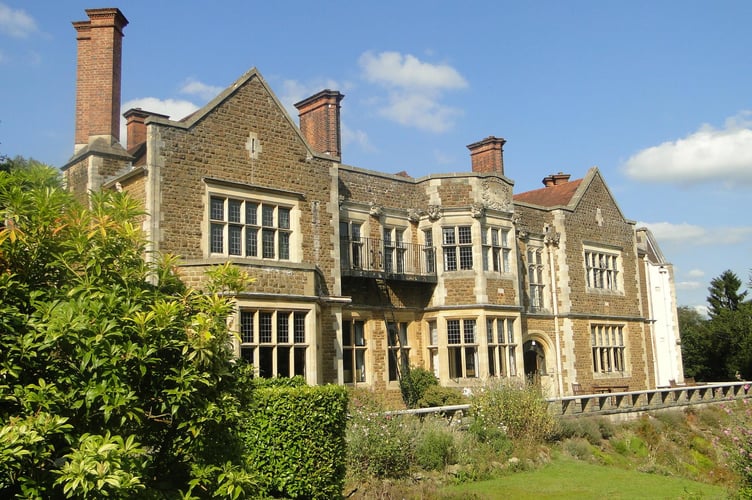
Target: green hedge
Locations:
point(295, 441)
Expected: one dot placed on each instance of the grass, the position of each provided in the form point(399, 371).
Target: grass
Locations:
point(566, 477)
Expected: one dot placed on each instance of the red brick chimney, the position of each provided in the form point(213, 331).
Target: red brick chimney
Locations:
point(135, 119)
point(319, 121)
point(98, 76)
point(487, 155)
point(556, 179)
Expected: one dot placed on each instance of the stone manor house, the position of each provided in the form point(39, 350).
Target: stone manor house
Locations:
point(361, 274)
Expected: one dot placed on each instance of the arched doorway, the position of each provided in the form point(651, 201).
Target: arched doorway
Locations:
point(535, 360)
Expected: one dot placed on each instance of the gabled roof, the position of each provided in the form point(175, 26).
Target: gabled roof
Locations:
point(566, 195)
point(189, 121)
point(552, 196)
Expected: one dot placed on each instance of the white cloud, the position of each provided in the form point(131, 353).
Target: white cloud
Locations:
point(408, 72)
point(174, 108)
point(414, 89)
point(16, 23)
point(202, 90)
point(688, 285)
point(708, 154)
point(697, 235)
point(420, 111)
point(350, 136)
point(696, 273)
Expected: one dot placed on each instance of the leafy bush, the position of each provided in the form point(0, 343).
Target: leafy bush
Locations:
point(435, 448)
point(114, 377)
point(295, 441)
point(414, 383)
point(436, 395)
point(519, 411)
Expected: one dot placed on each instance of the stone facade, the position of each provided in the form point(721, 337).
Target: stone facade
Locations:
point(355, 269)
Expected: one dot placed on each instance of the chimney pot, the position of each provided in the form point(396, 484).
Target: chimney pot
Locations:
point(556, 179)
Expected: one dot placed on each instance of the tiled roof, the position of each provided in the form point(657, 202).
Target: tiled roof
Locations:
point(551, 196)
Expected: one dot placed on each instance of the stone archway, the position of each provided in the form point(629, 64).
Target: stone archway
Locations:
point(534, 357)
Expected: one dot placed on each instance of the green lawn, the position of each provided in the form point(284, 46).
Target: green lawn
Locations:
point(568, 478)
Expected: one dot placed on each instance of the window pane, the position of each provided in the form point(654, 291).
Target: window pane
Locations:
point(267, 243)
point(489, 331)
point(464, 235)
point(300, 358)
point(251, 242)
point(251, 213)
point(284, 245)
point(233, 210)
point(470, 355)
point(299, 328)
point(448, 235)
point(466, 257)
point(217, 211)
point(236, 240)
point(267, 215)
point(469, 331)
point(283, 361)
point(360, 338)
point(283, 327)
point(360, 365)
point(453, 331)
point(266, 362)
point(217, 238)
point(265, 327)
point(283, 215)
point(246, 326)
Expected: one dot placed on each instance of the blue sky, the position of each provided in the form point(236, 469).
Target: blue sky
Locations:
point(656, 94)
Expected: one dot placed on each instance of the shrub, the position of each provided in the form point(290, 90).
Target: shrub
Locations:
point(379, 445)
point(435, 449)
point(437, 395)
point(295, 441)
point(414, 383)
point(520, 411)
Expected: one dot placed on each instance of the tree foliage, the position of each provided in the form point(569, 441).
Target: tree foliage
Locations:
point(719, 348)
point(115, 380)
point(725, 294)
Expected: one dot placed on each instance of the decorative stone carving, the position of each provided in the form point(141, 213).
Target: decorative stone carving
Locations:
point(414, 214)
point(434, 212)
point(496, 196)
point(375, 210)
point(517, 219)
point(477, 210)
point(552, 237)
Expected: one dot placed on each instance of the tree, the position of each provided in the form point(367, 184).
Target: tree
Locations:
point(115, 379)
point(695, 344)
point(724, 293)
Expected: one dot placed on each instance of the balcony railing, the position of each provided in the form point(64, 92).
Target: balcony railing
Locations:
point(374, 258)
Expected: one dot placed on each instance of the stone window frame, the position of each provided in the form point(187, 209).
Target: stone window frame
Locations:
point(608, 344)
point(501, 346)
point(393, 347)
point(462, 350)
point(497, 249)
point(265, 334)
point(243, 195)
point(536, 277)
point(603, 268)
point(354, 351)
point(457, 247)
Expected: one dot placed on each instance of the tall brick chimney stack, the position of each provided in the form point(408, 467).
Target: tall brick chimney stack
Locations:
point(100, 42)
point(487, 155)
point(320, 122)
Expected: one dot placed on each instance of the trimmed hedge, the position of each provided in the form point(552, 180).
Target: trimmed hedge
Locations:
point(295, 441)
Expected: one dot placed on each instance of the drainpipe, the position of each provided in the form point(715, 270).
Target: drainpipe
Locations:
point(552, 239)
